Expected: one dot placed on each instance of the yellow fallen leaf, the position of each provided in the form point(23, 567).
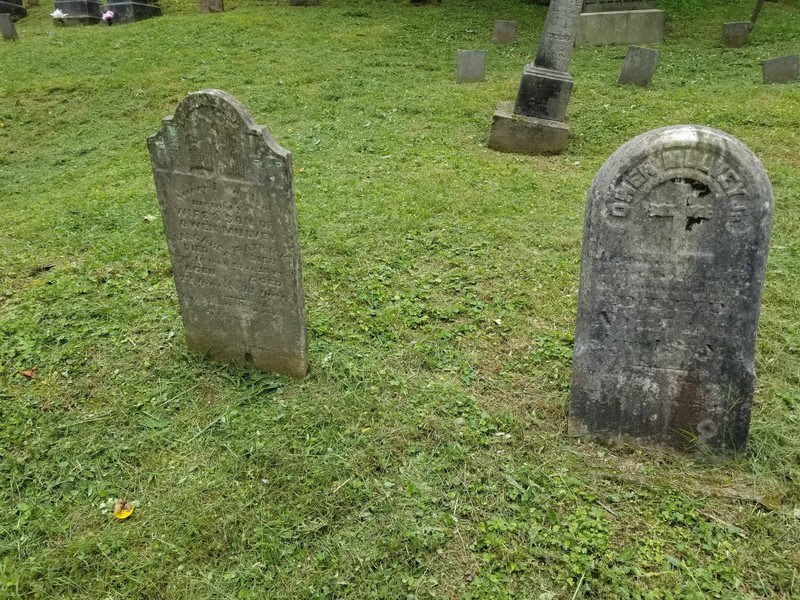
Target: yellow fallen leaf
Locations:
point(123, 509)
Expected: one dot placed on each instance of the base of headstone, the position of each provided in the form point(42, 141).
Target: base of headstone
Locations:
point(303, 2)
point(543, 93)
point(79, 12)
point(782, 69)
point(590, 6)
point(621, 27)
point(130, 12)
point(15, 9)
point(520, 134)
point(734, 35)
point(638, 67)
point(7, 29)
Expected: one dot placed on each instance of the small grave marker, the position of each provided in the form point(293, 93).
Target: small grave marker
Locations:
point(7, 28)
point(782, 69)
point(471, 66)
point(674, 253)
point(226, 193)
point(504, 32)
point(211, 6)
point(735, 34)
point(639, 66)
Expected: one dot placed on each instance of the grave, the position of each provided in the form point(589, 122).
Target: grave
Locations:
point(470, 66)
point(781, 69)
point(211, 6)
point(13, 8)
point(639, 66)
point(734, 35)
point(7, 29)
point(78, 12)
point(672, 269)
point(505, 32)
point(226, 193)
point(620, 22)
point(534, 124)
point(126, 11)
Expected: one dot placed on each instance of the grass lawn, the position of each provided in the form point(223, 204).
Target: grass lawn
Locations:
point(425, 455)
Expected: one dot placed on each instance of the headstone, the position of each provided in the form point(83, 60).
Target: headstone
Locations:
point(782, 69)
point(226, 193)
point(126, 11)
point(734, 35)
point(534, 124)
point(470, 66)
point(211, 6)
point(504, 32)
point(639, 66)
point(674, 252)
point(620, 22)
point(303, 2)
point(78, 12)
point(13, 8)
point(7, 29)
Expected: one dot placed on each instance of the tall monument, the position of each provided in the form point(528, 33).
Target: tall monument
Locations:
point(534, 124)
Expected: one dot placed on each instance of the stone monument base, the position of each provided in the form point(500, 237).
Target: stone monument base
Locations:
point(526, 135)
point(621, 27)
point(17, 11)
point(130, 12)
point(79, 12)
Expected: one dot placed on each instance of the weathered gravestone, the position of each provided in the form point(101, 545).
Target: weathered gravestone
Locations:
point(127, 11)
point(674, 251)
point(226, 193)
point(734, 35)
point(638, 66)
point(470, 66)
point(535, 123)
point(78, 12)
point(504, 32)
point(7, 29)
point(211, 6)
point(781, 69)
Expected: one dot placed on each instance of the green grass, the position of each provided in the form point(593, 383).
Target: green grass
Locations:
point(425, 455)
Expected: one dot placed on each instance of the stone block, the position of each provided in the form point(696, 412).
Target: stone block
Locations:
point(734, 35)
point(505, 32)
point(130, 12)
point(782, 69)
point(520, 134)
point(621, 27)
point(543, 93)
point(79, 12)
point(638, 67)
point(470, 66)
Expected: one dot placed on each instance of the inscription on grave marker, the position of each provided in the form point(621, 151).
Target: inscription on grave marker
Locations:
point(227, 198)
point(674, 253)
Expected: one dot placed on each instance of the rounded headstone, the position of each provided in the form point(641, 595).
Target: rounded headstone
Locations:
point(674, 252)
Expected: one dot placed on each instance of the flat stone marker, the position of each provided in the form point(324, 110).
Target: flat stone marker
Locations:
point(638, 66)
point(734, 35)
point(471, 66)
point(211, 6)
point(505, 32)
point(782, 69)
point(7, 29)
point(674, 251)
point(226, 193)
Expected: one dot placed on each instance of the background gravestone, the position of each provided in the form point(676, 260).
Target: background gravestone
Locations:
point(504, 32)
point(470, 66)
point(211, 6)
point(7, 29)
point(781, 69)
point(734, 35)
point(674, 252)
point(13, 8)
point(126, 11)
point(638, 67)
point(226, 193)
point(620, 22)
point(79, 12)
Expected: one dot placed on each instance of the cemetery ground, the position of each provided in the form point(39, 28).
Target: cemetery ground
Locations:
point(425, 454)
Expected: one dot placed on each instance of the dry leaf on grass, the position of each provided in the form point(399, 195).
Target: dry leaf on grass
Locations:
point(29, 373)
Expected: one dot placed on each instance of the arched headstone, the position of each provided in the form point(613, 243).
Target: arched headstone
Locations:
point(674, 252)
point(226, 193)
